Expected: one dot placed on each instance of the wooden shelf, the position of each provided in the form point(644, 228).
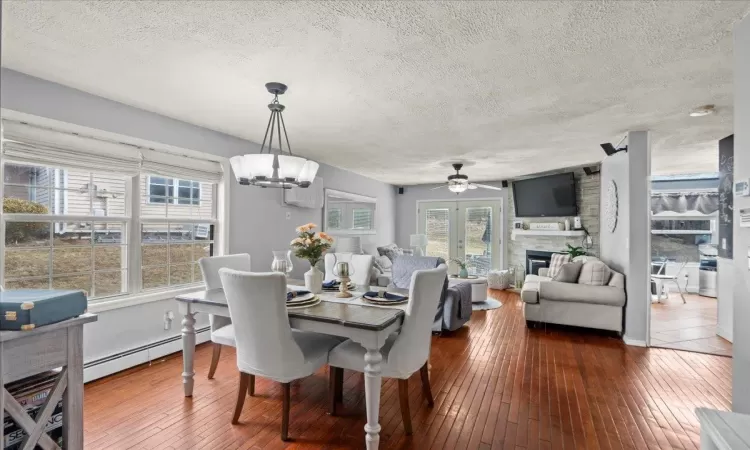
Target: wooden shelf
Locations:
point(571, 233)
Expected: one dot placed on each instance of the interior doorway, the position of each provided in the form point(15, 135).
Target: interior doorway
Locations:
point(471, 230)
point(684, 278)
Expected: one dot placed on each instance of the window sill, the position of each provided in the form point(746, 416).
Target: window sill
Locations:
point(140, 299)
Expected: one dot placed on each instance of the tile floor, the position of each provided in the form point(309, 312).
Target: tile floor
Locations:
point(690, 326)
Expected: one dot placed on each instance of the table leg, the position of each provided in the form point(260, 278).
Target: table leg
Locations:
point(373, 358)
point(73, 396)
point(188, 352)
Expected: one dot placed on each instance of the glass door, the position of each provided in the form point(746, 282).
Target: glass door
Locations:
point(470, 230)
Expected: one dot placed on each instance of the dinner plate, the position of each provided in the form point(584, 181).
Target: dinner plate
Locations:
point(380, 301)
point(302, 298)
point(313, 302)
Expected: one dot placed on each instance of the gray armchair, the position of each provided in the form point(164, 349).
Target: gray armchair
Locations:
point(452, 313)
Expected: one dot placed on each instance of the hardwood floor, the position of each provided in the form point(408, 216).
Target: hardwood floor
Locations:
point(687, 326)
point(497, 385)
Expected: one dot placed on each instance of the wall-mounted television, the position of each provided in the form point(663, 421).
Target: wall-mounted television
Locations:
point(548, 196)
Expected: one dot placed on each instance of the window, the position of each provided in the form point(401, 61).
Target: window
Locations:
point(163, 190)
point(176, 231)
point(334, 219)
point(69, 229)
point(681, 237)
point(362, 219)
point(53, 240)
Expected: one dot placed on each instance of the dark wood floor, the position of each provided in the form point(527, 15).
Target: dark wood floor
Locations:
point(497, 385)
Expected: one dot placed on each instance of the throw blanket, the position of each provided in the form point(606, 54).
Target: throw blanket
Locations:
point(464, 300)
point(405, 265)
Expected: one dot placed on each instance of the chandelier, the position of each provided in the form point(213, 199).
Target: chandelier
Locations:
point(275, 168)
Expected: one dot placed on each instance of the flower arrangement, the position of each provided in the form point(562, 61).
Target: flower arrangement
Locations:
point(464, 272)
point(310, 245)
point(574, 251)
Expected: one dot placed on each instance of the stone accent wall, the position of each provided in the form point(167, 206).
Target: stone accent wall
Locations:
point(587, 195)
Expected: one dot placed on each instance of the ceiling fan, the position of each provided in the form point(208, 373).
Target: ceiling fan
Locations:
point(459, 182)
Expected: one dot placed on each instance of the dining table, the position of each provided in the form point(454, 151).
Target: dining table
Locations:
point(353, 318)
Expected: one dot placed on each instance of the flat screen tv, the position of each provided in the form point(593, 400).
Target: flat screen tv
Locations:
point(550, 196)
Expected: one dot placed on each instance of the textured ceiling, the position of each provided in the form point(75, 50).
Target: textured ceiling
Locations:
point(392, 89)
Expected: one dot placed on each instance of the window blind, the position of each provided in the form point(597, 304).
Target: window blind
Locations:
point(40, 146)
point(176, 166)
point(362, 219)
point(30, 144)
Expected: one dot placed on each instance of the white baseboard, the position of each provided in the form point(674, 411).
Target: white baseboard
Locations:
point(634, 342)
point(96, 370)
point(726, 334)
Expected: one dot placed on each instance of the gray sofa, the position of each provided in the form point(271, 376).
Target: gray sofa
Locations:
point(574, 304)
point(454, 309)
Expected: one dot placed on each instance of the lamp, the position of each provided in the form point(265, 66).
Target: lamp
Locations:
point(419, 243)
point(458, 182)
point(275, 168)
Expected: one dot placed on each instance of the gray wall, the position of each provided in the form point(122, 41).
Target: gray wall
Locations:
point(612, 249)
point(741, 350)
point(258, 221)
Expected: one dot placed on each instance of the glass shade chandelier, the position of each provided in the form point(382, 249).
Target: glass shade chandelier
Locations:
point(274, 168)
point(458, 182)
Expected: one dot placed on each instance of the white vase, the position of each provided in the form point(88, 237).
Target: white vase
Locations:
point(314, 280)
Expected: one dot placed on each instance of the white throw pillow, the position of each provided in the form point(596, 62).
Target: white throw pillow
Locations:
point(594, 273)
point(556, 262)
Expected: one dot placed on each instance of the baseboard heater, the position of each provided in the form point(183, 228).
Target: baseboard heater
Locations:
point(118, 362)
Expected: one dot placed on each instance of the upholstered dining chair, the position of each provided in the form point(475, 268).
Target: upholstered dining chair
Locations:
point(404, 353)
point(266, 344)
point(362, 265)
point(222, 331)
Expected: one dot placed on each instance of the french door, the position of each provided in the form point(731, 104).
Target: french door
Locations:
point(470, 230)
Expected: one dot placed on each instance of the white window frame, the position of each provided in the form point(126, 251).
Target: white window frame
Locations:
point(175, 186)
point(132, 222)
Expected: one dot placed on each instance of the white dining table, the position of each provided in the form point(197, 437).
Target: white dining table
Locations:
point(367, 325)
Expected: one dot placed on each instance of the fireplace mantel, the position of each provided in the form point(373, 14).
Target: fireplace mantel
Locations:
point(561, 233)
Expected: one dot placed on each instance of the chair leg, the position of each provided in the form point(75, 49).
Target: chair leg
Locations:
point(251, 386)
point(244, 380)
point(403, 396)
point(332, 390)
point(426, 389)
point(214, 360)
point(286, 387)
point(339, 384)
point(681, 294)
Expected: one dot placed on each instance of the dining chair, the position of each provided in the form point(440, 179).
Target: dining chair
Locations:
point(266, 344)
point(404, 353)
point(362, 265)
point(660, 278)
point(222, 331)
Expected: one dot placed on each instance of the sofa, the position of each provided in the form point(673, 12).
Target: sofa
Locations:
point(575, 303)
point(454, 308)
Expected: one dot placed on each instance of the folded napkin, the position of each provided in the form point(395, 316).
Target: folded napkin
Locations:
point(293, 294)
point(331, 283)
point(386, 296)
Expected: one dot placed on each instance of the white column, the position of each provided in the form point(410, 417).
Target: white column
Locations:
point(639, 238)
point(741, 330)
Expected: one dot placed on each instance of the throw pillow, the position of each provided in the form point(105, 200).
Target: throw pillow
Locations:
point(557, 261)
point(391, 251)
point(569, 272)
point(594, 273)
point(584, 258)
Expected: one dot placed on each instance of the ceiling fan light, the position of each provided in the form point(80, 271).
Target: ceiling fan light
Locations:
point(458, 185)
point(309, 170)
point(290, 167)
